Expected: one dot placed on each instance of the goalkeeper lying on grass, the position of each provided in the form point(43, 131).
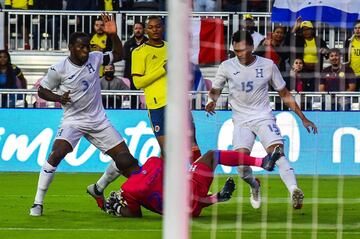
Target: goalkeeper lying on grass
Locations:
point(144, 185)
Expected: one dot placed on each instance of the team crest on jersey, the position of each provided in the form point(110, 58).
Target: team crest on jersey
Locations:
point(193, 168)
point(157, 128)
point(259, 72)
point(90, 68)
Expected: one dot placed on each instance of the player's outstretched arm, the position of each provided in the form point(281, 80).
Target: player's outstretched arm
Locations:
point(289, 100)
point(111, 31)
point(50, 96)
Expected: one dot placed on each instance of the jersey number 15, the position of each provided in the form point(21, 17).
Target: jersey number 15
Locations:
point(247, 86)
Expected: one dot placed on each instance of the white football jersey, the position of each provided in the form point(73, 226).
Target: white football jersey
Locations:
point(83, 82)
point(248, 87)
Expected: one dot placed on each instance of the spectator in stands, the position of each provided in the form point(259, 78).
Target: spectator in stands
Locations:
point(352, 52)
point(22, 5)
point(110, 82)
point(296, 79)
point(109, 5)
point(311, 49)
point(11, 77)
point(275, 47)
point(338, 77)
point(204, 5)
point(99, 40)
point(248, 24)
point(136, 40)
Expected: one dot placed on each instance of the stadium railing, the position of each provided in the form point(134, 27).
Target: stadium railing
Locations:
point(49, 27)
point(337, 101)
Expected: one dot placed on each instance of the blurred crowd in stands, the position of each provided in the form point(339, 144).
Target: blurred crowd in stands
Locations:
point(136, 5)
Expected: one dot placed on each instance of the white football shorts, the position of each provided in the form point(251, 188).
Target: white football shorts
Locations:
point(103, 138)
point(266, 130)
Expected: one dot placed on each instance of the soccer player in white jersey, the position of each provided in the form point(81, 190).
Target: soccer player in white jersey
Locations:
point(77, 82)
point(248, 77)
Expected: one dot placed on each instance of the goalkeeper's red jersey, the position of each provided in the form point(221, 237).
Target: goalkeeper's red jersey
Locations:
point(145, 188)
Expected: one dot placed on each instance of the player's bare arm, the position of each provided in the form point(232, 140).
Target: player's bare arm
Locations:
point(51, 96)
point(212, 98)
point(289, 100)
point(111, 31)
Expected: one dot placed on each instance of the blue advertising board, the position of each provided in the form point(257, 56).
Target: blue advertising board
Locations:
point(26, 137)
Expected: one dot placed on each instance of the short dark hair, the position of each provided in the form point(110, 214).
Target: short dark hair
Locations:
point(74, 36)
point(153, 17)
point(140, 23)
point(335, 50)
point(98, 19)
point(280, 26)
point(243, 35)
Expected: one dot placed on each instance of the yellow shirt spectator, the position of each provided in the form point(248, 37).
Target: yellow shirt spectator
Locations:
point(99, 40)
point(355, 57)
point(149, 74)
point(19, 4)
point(310, 52)
point(108, 5)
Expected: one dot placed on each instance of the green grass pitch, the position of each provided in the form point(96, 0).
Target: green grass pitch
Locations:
point(70, 213)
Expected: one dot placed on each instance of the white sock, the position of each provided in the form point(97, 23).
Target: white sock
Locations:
point(287, 174)
point(45, 177)
point(110, 174)
point(246, 174)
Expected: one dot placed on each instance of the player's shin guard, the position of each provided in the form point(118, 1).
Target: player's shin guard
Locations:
point(110, 174)
point(45, 178)
point(287, 174)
